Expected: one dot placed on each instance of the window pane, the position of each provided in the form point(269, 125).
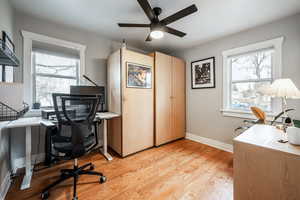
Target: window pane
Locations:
point(252, 66)
point(245, 95)
point(45, 86)
point(9, 72)
point(56, 65)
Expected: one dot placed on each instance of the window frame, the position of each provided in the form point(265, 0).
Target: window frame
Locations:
point(35, 75)
point(28, 71)
point(276, 45)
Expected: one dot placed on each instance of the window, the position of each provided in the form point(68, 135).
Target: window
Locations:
point(6, 74)
point(55, 64)
point(246, 70)
point(52, 73)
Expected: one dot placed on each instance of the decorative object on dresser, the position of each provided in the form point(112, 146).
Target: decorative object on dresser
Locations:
point(285, 89)
point(203, 73)
point(139, 76)
point(293, 134)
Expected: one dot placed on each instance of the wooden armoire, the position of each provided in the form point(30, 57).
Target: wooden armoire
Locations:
point(170, 106)
point(148, 117)
point(134, 130)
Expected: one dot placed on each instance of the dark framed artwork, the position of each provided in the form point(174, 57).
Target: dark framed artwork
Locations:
point(139, 76)
point(203, 73)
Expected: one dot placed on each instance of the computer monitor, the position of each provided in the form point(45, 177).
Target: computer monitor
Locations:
point(90, 90)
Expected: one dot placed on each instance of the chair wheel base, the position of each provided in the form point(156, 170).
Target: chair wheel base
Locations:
point(92, 167)
point(102, 179)
point(45, 195)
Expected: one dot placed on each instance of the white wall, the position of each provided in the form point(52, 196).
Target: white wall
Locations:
point(203, 105)
point(6, 24)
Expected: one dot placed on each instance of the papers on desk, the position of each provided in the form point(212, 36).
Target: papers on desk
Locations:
point(106, 115)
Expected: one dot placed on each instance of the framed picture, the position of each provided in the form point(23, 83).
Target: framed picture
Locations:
point(139, 76)
point(203, 73)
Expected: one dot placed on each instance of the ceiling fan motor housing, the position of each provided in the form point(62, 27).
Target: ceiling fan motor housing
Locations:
point(157, 11)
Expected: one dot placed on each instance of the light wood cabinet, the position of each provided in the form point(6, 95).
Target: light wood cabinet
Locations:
point(263, 168)
point(134, 130)
point(170, 111)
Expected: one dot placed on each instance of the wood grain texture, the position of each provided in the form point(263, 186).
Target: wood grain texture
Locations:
point(163, 98)
point(137, 107)
point(114, 100)
point(180, 170)
point(264, 168)
point(169, 98)
point(178, 98)
point(114, 139)
point(114, 82)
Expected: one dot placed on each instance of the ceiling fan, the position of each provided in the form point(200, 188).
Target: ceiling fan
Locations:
point(157, 27)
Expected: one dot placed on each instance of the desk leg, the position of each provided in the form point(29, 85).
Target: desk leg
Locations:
point(28, 174)
point(104, 149)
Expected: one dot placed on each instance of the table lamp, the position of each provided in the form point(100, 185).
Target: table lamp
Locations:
point(285, 89)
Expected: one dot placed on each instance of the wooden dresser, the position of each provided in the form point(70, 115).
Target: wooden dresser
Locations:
point(265, 169)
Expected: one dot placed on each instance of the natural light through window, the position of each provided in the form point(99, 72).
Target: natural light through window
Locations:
point(246, 70)
point(249, 73)
point(53, 73)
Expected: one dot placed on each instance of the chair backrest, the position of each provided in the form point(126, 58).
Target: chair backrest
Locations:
point(76, 113)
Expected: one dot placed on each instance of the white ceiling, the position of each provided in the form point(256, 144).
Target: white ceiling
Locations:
point(215, 18)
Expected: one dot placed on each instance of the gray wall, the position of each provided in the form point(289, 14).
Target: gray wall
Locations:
point(203, 105)
point(6, 24)
point(98, 49)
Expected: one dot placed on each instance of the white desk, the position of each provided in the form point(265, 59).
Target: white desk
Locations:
point(106, 116)
point(27, 123)
point(37, 121)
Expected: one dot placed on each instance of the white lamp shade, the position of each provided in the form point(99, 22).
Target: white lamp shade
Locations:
point(282, 88)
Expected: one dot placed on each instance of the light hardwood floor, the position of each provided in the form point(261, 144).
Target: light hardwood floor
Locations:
point(180, 170)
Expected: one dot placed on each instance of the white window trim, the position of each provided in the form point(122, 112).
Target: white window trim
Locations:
point(276, 73)
point(28, 38)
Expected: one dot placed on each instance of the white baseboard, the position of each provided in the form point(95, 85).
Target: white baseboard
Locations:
point(5, 186)
point(210, 142)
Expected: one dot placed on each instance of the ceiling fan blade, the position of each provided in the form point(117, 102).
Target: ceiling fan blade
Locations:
point(147, 9)
point(133, 25)
point(173, 31)
point(183, 13)
point(149, 39)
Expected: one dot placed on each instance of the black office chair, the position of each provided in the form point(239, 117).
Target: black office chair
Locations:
point(75, 113)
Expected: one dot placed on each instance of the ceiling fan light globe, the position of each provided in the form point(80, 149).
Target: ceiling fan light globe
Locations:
point(156, 34)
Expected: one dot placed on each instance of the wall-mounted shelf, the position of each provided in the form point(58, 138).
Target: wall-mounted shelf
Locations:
point(7, 54)
point(7, 57)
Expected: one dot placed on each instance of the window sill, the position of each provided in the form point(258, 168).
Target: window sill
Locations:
point(244, 114)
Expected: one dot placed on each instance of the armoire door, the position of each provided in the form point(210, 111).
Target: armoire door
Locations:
point(178, 98)
point(137, 107)
point(163, 95)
